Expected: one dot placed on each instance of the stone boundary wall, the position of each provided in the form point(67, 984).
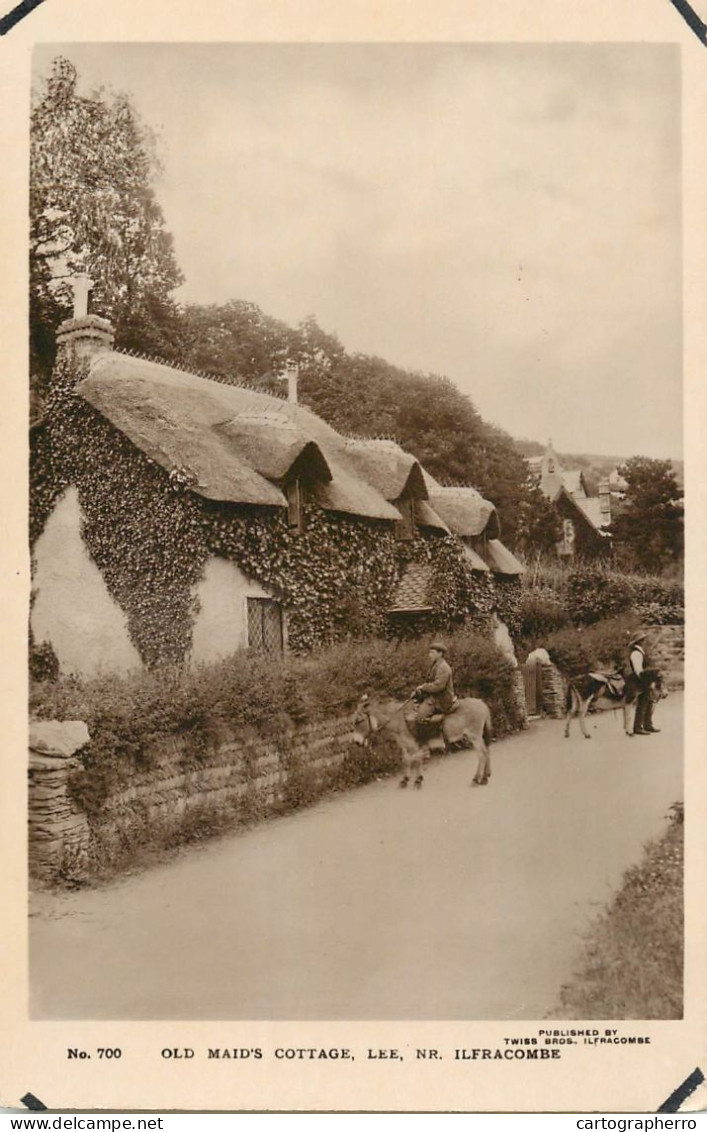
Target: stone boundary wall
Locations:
point(554, 688)
point(519, 694)
point(59, 833)
point(244, 777)
point(666, 651)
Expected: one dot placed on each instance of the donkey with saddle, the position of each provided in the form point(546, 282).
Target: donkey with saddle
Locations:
point(467, 725)
point(602, 691)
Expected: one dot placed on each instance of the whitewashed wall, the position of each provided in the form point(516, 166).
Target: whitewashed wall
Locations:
point(72, 607)
point(221, 624)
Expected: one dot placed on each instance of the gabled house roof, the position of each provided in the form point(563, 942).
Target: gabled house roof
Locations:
point(573, 481)
point(589, 509)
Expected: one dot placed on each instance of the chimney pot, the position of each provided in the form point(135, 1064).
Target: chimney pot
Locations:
point(292, 374)
point(81, 284)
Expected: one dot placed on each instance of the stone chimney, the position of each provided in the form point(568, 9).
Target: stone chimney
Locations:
point(605, 502)
point(84, 334)
point(292, 374)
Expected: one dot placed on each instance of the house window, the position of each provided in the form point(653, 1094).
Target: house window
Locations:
point(265, 631)
point(405, 527)
point(295, 510)
point(567, 536)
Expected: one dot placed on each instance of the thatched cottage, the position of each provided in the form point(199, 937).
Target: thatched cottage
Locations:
point(178, 518)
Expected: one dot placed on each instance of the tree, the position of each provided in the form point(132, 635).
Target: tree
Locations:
point(649, 530)
point(93, 209)
point(538, 525)
point(236, 341)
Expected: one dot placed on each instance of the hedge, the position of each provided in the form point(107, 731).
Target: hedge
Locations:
point(578, 649)
point(584, 594)
point(129, 718)
point(595, 593)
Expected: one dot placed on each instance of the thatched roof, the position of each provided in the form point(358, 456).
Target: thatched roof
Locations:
point(464, 510)
point(426, 517)
point(272, 444)
point(500, 558)
point(239, 445)
point(475, 560)
point(391, 470)
point(171, 417)
point(234, 440)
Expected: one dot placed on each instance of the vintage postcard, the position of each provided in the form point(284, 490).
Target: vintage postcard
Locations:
point(353, 570)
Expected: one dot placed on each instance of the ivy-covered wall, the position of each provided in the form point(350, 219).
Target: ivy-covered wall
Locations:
point(151, 538)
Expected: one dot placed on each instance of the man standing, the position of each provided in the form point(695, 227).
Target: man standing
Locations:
point(643, 719)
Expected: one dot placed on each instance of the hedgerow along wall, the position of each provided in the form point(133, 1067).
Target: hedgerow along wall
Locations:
point(167, 768)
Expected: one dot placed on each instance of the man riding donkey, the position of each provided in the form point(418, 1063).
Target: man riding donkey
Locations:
point(432, 719)
point(435, 698)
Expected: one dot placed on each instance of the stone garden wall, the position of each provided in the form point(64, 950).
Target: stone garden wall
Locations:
point(243, 778)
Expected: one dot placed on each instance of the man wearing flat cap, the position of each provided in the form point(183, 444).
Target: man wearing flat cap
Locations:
point(437, 693)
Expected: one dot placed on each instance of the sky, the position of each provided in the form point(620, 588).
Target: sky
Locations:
point(506, 215)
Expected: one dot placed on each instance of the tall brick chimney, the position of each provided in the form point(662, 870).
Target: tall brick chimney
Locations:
point(84, 334)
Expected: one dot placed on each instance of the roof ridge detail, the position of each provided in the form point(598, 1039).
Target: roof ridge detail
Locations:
point(219, 379)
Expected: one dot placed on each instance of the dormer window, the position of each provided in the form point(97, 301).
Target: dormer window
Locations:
point(405, 527)
point(295, 509)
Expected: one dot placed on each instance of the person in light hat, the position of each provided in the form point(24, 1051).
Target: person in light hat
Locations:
point(643, 719)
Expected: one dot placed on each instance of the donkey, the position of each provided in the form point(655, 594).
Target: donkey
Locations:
point(596, 690)
point(467, 725)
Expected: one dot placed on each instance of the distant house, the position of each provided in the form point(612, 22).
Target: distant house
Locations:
point(178, 518)
point(585, 519)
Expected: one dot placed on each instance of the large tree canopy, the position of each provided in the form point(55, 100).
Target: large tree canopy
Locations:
point(93, 208)
point(648, 532)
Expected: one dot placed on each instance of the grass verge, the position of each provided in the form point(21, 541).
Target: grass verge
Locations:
point(632, 966)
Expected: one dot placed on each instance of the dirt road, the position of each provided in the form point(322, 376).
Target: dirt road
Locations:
point(446, 903)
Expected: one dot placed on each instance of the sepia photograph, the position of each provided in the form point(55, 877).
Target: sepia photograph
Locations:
point(356, 505)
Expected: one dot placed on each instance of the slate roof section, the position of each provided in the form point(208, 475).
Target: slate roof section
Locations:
point(591, 507)
point(573, 481)
point(411, 595)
